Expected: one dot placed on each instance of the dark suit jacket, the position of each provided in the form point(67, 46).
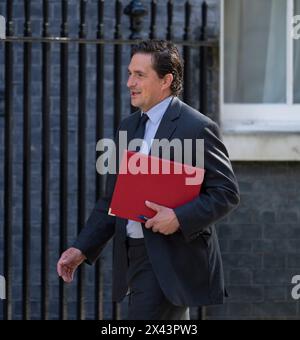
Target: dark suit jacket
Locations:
point(187, 263)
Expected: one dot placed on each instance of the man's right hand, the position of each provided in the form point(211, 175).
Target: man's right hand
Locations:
point(68, 263)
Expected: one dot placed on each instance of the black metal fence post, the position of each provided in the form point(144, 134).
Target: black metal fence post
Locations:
point(45, 201)
point(203, 89)
point(117, 67)
point(64, 94)
point(203, 62)
point(170, 9)
point(116, 310)
point(152, 34)
point(81, 196)
point(187, 91)
point(8, 165)
point(26, 163)
point(99, 192)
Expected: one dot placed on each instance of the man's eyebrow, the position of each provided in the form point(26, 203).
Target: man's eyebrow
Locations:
point(136, 71)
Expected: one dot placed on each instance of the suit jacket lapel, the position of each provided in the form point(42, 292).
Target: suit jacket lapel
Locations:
point(168, 123)
point(132, 126)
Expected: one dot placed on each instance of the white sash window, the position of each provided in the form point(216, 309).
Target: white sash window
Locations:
point(260, 77)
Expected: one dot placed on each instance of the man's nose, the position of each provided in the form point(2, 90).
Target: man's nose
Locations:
point(130, 82)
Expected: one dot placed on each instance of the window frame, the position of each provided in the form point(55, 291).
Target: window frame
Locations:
point(286, 114)
point(262, 132)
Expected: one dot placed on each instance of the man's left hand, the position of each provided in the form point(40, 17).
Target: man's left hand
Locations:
point(165, 221)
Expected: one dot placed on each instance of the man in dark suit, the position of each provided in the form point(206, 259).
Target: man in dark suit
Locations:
point(172, 261)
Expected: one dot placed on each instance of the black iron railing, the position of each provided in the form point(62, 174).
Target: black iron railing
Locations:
point(136, 11)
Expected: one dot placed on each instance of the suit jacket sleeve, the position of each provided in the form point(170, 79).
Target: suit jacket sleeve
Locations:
point(99, 228)
point(219, 192)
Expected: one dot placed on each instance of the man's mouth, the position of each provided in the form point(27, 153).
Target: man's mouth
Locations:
point(134, 93)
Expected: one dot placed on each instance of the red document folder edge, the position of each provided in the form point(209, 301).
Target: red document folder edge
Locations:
point(170, 189)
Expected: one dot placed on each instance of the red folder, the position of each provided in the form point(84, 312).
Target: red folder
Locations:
point(170, 184)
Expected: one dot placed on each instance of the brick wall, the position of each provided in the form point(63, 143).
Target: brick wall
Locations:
point(260, 243)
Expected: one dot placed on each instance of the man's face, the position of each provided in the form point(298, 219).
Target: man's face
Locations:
point(146, 88)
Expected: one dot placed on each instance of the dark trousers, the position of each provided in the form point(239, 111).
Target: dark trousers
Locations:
point(146, 299)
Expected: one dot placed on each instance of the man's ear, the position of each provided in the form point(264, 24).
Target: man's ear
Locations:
point(167, 81)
